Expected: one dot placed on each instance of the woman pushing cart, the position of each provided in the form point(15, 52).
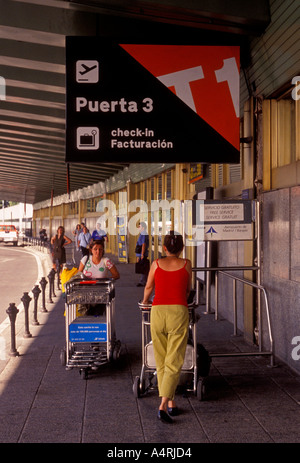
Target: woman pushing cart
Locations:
point(90, 313)
point(171, 277)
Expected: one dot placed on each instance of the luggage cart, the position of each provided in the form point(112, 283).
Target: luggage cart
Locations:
point(90, 339)
point(190, 372)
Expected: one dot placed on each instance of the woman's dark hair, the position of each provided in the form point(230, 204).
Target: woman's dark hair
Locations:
point(94, 242)
point(173, 242)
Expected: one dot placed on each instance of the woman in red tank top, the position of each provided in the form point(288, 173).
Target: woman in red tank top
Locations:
point(171, 277)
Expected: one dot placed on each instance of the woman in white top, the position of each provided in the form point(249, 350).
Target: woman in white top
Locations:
point(96, 265)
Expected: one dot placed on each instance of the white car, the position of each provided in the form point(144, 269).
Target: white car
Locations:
point(9, 234)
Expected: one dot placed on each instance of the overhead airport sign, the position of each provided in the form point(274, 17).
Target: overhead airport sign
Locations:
point(151, 103)
point(223, 220)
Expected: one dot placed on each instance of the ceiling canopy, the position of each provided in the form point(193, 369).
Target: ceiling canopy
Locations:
point(32, 75)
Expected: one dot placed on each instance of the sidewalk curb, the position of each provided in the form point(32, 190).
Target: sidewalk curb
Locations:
point(44, 264)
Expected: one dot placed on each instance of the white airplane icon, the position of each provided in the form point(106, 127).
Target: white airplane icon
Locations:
point(86, 69)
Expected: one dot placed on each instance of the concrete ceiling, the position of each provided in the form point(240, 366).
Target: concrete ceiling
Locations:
point(32, 67)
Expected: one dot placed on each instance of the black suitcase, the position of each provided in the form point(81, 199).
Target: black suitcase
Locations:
point(203, 361)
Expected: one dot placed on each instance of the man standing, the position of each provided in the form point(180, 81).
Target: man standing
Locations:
point(141, 250)
point(84, 239)
point(99, 233)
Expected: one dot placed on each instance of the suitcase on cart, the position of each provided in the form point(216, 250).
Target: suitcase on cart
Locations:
point(203, 361)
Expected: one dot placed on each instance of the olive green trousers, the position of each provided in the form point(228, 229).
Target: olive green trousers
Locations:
point(169, 331)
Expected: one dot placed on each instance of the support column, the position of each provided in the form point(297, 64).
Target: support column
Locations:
point(131, 239)
point(249, 177)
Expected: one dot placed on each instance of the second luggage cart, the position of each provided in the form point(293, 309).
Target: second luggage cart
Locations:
point(90, 337)
point(193, 374)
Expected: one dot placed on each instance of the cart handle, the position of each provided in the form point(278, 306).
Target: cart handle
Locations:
point(145, 306)
point(88, 281)
point(148, 306)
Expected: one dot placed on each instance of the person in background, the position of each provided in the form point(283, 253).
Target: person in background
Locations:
point(141, 250)
point(76, 234)
point(169, 320)
point(99, 233)
point(58, 243)
point(43, 235)
point(84, 239)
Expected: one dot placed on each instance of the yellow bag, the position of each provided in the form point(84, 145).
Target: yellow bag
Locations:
point(66, 275)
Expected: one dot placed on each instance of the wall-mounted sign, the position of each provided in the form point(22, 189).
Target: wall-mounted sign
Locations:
point(151, 103)
point(122, 239)
point(196, 172)
point(223, 220)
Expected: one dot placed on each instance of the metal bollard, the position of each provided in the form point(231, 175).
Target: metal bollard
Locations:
point(50, 278)
point(53, 282)
point(58, 279)
point(43, 284)
point(12, 313)
point(26, 301)
point(36, 292)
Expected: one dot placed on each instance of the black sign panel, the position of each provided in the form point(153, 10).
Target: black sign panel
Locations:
point(119, 111)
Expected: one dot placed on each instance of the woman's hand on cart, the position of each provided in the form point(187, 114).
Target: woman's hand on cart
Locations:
point(145, 305)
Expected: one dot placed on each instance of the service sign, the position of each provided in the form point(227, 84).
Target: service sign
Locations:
point(223, 220)
point(151, 103)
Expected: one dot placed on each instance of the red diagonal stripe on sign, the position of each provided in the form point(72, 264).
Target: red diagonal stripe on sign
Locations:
point(206, 78)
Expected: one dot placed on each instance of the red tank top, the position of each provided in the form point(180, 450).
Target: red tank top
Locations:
point(170, 286)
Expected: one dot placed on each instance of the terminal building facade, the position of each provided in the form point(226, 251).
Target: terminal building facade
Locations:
point(268, 173)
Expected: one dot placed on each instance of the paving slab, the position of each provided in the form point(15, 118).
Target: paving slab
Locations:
point(246, 400)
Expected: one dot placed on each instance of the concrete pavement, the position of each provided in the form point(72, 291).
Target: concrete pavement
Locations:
point(246, 400)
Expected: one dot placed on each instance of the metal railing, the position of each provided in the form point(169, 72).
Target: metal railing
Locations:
point(224, 271)
point(37, 243)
